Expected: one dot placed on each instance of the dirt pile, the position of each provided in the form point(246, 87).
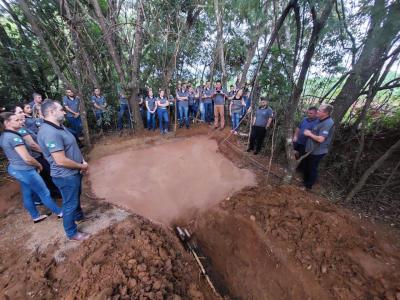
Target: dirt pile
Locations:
point(133, 259)
point(315, 249)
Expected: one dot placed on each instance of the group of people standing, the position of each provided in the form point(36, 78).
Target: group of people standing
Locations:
point(44, 157)
point(204, 103)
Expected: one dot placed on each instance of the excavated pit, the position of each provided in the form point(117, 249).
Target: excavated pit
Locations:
point(257, 241)
point(169, 181)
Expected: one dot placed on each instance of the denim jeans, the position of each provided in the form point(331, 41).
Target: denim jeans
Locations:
point(70, 188)
point(151, 120)
point(183, 115)
point(31, 181)
point(192, 111)
point(99, 115)
point(123, 108)
point(235, 120)
point(208, 108)
point(163, 119)
point(202, 111)
point(76, 125)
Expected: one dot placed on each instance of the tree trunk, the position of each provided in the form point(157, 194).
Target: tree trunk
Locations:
point(372, 169)
point(383, 29)
point(109, 42)
point(318, 25)
point(220, 41)
point(251, 50)
point(66, 14)
point(134, 84)
point(38, 32)
point(271, 41)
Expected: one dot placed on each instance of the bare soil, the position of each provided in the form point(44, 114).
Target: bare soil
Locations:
point(265, 241)
point(165, 182)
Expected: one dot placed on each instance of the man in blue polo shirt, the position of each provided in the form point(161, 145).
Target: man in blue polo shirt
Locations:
point(99, 104)
point(71, 104)
point(299, 140)
point(317, 144)
point(66, 165)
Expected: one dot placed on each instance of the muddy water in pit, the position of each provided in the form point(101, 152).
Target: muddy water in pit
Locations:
point(168, 181)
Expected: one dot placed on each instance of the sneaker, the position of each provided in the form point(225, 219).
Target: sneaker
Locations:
point(79, 237)
point(40, 219)
point(235, 133)
point(59, 216)
point(37, 203)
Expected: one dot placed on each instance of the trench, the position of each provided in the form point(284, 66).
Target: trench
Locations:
point(183, 181)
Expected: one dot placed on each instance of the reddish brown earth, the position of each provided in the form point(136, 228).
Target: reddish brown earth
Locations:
point(264, 242)
point(170, 180)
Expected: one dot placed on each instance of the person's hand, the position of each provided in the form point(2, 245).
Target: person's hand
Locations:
point(40, 168)
point(76, 115)
point(84, 168)
point(307, 132)
point(294, 139)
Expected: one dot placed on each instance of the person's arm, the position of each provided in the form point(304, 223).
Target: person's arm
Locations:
point(230, 108)
point(31, 143)
point(63, 161)
point(147, 105)
point(269, 123)
point(243, 103)
point(318, 138)
point(26, 157)
point(296, 134)
point(155, 107)
point(70, 110)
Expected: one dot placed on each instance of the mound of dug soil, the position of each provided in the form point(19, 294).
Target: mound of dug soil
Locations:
point(282, 243)
point(133, 259)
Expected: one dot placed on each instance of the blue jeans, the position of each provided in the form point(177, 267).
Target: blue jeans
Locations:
point(70, 188)
point(163, 119)
point(151, 120)
point(99, 115)
point(76, 125)
point(184, 114)
point(123, 108)
point(202, 111)
point(208, 108)
point(192, 111)
point(31, 181)
point(235, 120)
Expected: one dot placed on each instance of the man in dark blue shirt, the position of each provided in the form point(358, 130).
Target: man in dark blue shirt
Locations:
point(71, 104)
point(299, 140)
point(123, 109)
point(317, 144)
point(99, 104)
